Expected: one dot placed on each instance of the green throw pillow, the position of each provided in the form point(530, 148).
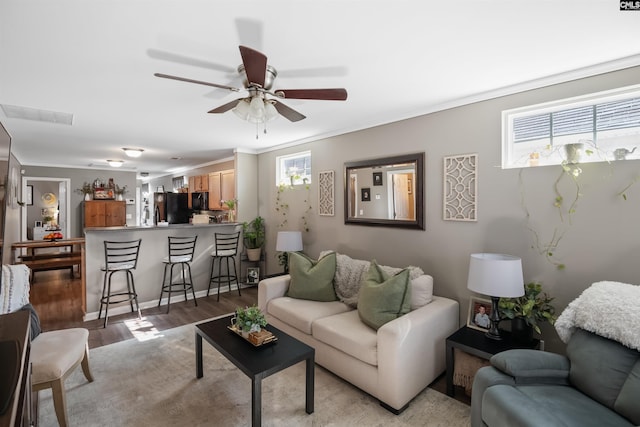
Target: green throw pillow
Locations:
point(310, 279)
point(383, 297)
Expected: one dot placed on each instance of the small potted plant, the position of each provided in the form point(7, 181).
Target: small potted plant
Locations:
point(86, 191)
point(253, 238)
point(528, 311)
point(120, 192)
point(231, 206)
point(250, 319)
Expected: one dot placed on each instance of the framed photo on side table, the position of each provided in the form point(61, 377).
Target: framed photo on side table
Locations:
point(253, 275)
point(479, 313)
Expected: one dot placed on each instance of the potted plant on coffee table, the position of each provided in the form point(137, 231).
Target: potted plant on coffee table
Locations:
point(253, 238)
point(250, 319)
point(528, 311)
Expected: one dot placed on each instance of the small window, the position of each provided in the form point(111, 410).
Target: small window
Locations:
point(293, 169)
point(599, 127)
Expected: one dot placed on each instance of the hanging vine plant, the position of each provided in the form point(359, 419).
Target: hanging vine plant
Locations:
point(283, 208)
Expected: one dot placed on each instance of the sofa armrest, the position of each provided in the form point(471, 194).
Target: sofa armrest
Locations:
point(533, 366)
point(411, 350)
point(273, 287)
point(485, 377)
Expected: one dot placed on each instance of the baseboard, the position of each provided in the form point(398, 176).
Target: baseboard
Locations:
point(126, 308)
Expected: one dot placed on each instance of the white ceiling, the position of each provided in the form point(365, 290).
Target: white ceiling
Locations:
point(397, 59)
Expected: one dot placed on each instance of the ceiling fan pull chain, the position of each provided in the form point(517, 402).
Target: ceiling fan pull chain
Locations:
point(257, 130)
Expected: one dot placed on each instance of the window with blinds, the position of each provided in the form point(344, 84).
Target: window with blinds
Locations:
point(293, 169)
point(605, 125)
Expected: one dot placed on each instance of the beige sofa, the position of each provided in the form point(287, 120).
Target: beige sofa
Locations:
point(393, 364)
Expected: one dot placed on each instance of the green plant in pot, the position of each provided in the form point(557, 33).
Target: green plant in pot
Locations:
point(253, 234)
point(528, 311)
point(250, 319)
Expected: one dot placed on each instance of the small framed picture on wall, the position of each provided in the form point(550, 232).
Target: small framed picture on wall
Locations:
point(377, 178)
point(365, 194)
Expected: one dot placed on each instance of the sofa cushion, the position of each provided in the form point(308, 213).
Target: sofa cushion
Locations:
point(421, 291)
point(599, 366)
point(383, 297)
point(544, 405)
point(300, 313)
point(310, 279)
point(627, 402)
point(348, 334)
point(351, 272)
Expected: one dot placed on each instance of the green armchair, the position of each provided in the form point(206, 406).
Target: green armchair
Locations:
point(596, 384)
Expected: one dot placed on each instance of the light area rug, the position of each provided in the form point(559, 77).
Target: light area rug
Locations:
point(152, 382)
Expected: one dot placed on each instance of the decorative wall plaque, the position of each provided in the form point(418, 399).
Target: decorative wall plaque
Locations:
point(460, 188)
point(326, 193)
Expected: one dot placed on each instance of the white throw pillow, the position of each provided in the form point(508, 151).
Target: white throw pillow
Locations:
point(421, 291)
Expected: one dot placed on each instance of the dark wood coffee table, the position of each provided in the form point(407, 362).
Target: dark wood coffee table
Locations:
point(256, 362)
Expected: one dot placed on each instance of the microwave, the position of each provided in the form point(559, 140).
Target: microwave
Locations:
point(200, 201)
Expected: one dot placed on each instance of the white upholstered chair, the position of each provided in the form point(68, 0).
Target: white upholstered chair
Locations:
point(55, 355)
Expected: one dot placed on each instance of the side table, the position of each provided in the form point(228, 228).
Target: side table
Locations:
point(476, 343)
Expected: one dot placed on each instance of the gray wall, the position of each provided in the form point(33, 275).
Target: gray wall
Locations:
point(600, 242)
point(79, 177)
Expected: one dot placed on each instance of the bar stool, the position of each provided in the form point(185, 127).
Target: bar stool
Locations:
point(180, 255)
point(226, 249)
point(119, 257)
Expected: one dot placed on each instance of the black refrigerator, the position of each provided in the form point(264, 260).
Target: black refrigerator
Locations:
point(171, 207)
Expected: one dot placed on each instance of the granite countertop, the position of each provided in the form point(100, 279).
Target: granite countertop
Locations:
point(155, 227)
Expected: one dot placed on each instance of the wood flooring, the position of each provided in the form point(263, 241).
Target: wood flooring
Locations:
point(57, 299)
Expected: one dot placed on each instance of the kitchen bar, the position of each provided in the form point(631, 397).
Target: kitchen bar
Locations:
point(149, 271)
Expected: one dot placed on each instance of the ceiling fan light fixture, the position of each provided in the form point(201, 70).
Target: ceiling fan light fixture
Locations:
point(242, 109)
point(270, 111)
point(256, 110)
point(133, 152)
point(115, 163)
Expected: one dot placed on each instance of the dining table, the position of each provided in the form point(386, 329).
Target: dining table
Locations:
point(39, 255)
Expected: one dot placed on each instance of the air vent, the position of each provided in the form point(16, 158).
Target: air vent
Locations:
point(26, 113)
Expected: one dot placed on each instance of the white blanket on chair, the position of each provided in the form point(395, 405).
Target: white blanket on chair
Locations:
point(14, 292)
point(608, 309)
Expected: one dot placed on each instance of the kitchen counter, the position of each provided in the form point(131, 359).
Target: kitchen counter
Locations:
point(148, 273)
point(162, 227)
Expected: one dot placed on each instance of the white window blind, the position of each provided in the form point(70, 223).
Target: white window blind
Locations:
point(608, 121)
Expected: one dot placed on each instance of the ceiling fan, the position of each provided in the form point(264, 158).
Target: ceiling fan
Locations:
point(263, 104)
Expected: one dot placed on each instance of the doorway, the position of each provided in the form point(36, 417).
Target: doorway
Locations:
point(47, 206)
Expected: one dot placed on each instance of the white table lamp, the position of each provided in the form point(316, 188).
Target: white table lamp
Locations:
point(288, 241)
point(499, 276)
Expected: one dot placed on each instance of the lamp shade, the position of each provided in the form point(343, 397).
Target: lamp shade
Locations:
point(496, 275)
point(289, 241)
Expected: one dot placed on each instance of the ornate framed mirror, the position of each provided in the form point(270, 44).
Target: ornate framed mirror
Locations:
point(387, 191)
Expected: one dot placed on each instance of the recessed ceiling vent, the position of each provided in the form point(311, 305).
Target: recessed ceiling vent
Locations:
point(26, 113)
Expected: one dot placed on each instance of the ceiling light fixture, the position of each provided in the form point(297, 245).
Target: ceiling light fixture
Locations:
point(256, 109)
point(115, 163)
point(133, 152)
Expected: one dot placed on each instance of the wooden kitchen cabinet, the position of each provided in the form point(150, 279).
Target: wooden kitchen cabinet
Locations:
point(222, 186)
point(105, 213)
point(198, 183)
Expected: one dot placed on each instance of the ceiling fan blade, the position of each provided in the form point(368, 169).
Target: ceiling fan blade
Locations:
point(288, 112)
point(183, 79)
point(255, 65)
point(187, 60)
point(338, 94)
point(226, 107)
